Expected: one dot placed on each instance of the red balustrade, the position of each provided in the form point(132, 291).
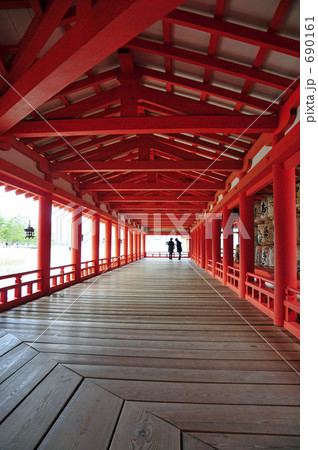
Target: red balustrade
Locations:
point(103, 264)
point(18, 288)
point(156, 254)
point(260, 292)
point(62, 276)
point(233, 278)
point(114, 262)
point(219, 271)
point(210, 264)
point(292, 311)
point(88, 269)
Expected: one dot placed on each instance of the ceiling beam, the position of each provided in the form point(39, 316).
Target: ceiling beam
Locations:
point(159, 198)
point(24, 57)
point(147, 125)
point(208, 89)
point(211, 62)
point(231, 30)
point(132, 187)
point(85, 106)
point(146, 166)
point(88, 82)
point(211, 150)
point(104, 30)
point(180, 104)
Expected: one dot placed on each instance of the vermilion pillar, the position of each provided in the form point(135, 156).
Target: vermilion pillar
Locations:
point(227, 243)
point(126, 243)
point(95, 241)
point(131, 244)
point(44, 241)
point(135, 246)
point(144, 245)
point(208, 242)
point(285, 269)
point(197, 245)
point(246, 236)
point(77, 241)
point(108, 242)
point(192, 245)
point(117, 243)
point(216, 243)
point(202, 245)
point(139, 245)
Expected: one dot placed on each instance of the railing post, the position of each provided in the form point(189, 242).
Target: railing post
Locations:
point(77, 241)
point(285, 268)
point(17, 290)
point(44, 240)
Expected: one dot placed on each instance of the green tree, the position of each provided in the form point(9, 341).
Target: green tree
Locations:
point(12, 230)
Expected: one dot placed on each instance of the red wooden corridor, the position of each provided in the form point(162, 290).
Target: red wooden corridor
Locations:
point(156, 118)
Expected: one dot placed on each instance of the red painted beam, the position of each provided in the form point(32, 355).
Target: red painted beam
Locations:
point(208, 89)
point(147, 125)
point(85, 106)
point(282, 151)
point(180, 104)
point(234, 31)
point(82, 47)
point(90, 81)
point(225, 140)
point(159, 198)
point(210, 62)
point(195, 142)
point(26, 56)
point(198, 186)
point(166, 148)
point(145, 166)
point(98, 152)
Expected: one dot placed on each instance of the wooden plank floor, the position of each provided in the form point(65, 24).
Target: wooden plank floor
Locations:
point(167, 356)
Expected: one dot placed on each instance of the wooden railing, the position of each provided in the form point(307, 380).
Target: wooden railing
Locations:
point(88, 269)
point(292, 311)
point(260, 292)
point(18, 288)
point(233, 278)
point(114, 262)
point(61, 276)
point(219, 271)
point(156, 254)
point(210, 265)
point(103, 264)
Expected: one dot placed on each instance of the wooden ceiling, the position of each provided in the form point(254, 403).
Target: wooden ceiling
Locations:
point(148, 109)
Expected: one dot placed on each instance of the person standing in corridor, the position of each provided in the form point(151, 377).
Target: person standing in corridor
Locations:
point(179, 247)
point(170, 247)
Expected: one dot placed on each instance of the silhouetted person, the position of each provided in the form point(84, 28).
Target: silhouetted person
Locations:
point(170, 247)
point(179, 247)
